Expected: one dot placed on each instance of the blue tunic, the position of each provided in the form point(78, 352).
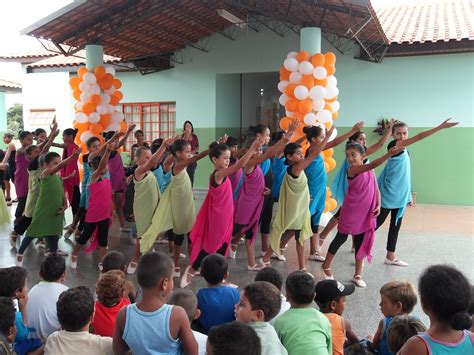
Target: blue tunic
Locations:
point(317, 180)
point(279, 170)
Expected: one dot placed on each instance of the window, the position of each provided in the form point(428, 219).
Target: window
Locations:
point(41, 117)
point(155, 119)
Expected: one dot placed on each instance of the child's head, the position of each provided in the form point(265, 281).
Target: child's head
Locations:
point(32, 152)
point(355, 154)
point(214, 269)
point(26, 138)
point(357, 349)
point(313, 133)
point(188, 127)
point(293, 153)
point(142, 155)
point(262, 130)
point(7, 319)
point(272, 275)
point(401, 329)
point(110, 287)
point(13, 282)
point(139, 136)
point(358, 137)
point(95, 162)
point(51, 159)
point(219, 155)
point(181, 149)
point(445, 296)
point(400, 131)
point(300, 288)
point(331, 296)
point(259, 302)
point(187, 299)
point(234, 338)
point(75, 308)
point(108, 135)
point(40, 135)
point(7, 138)
point(233, 144)
point(114, 260)
point(93, 144)
point(53, 268)
point(69, 134)
point(155, 272)
point(397, 297)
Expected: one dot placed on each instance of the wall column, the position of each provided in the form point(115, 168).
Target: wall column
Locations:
point(94, 56)
point(310, 40)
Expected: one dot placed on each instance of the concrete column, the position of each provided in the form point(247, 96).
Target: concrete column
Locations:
point(310, 40)
point(94, 56)
point(3, 113)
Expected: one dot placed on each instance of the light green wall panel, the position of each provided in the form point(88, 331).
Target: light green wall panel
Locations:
point(3, 112)
point(227, 100)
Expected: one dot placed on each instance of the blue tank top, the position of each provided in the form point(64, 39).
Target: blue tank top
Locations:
point(149, 332)
point(317, 180)
point(464, 346)
point(163, 179)
point(279, 170)
point(383, 346)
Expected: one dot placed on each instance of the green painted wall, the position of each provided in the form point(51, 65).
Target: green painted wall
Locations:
point(3, 112)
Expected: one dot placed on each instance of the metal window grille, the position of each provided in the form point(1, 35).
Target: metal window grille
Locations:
point(41, 117)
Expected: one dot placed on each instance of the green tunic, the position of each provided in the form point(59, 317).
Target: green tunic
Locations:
point(33, 191)
point(46, 220)
point(147, 197)
point(4, 212)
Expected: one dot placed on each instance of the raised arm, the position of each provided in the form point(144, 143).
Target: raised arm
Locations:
point(180, 166)
point(126, 135)
point(381, 142)
point(103, 147)
point(143, 169)
point(425, 134)
point(344, 137)
point(62, 164)
point(52, 135)
point(355, 170)
point(103, 161)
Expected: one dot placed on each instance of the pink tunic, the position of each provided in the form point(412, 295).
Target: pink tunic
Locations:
point(214, 222)
point(21, 174)
point(100, 201)
point(248, 207)
point(357, 211)
point(70, 183)
point(117, 173)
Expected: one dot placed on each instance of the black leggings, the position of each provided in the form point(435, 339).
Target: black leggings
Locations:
point(52, 242)
point(202, 254)
point(22, 225)
point(393, 229)
point(341, 239)
point(20, 208)
point(238, 228)
point(102, 232)
point(267, 210)
point(81, 214)
point(178, 239)
point(76, 200)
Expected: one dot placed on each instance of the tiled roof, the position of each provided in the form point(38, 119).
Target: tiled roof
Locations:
point(9, 84)
point(26, 48)
point(433, 21)
point(74, 60)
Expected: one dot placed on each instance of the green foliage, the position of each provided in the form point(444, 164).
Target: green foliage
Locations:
point(15, 119)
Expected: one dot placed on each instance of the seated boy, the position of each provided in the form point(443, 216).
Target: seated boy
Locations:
point(234, 338)
point(41, 307)
point(151, 326)
point(260, 302)
point(217, 301)
point(331, 300)
point(273, 276)
point(401, 329)
point(115, 260)
point(302, 329)
point(187, 299)
point(7, 325)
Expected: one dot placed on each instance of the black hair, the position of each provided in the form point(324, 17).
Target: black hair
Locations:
point(216, 150)
point(213, 268)
point(401, 329)
point(9, 135)
point(355, 137)
point(96, 162)
point(471, 307)
point(158, 141)
point(153, 267)
point(23, 135)
point(113, 260)
point(30, 149)
point(140, 150)
point(277, 136)
point(38, 131)
point(192, 127)
point(354, 145)
point(231, 141)
point(272, 275)
point(397, 125)
point(357, 349)
point(178, 146)
point(234, 338)
point(91, 141)
point(7, 315)
point(52, 267)
point(12, 279)
point(187, 299)
point(264, 296)
point(108, 135)
point(138, 131)
point(300, 287)
point(446, 293)
point(290, 149)
point(75, 308)
point(259, 129)
point(312, 132)
point(48, 157)
point(70, 132)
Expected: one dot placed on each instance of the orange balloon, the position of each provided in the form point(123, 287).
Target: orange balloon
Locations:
point(80, 126)
point(106, 82)
point(96, 128)
point(317, 60)
point(99, 72)
point(292, 104)
point(308, 81)
point(123, 126)
point(328, 152)
point(328, 124)
point(105, 121)
point(323, 82)
point(328, 107)
point(332, 163)
point(117, 83)
point(95, 100)
point(302, 56)
point(81, 71)
point(299, 115)
point(88, 108)
point(332, 204)
point(326, 167)
point(77, 140)
point(118, 94)
point(284, 73)
point(335, 115)
point(305, 106)
point(77, 94)
point(290, 90)
point(74, 82)
point(331, 100)
point(114, 100)
point(285, 123)
point(331, 69)
point(329, 58)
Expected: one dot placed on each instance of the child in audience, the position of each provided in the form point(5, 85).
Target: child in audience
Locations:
point(302, 329)
point(110, 301)
point(445, 297)
point(397, 298)
point(115, 260)
point(234, 338)
point(152, 326)
point(331, 300)
point(259, 303)
point(401, 329)
point(273, 276)
point(187, 299)
point(7, 326)
point(217, 301)
point(41, 307)
point(75, 310)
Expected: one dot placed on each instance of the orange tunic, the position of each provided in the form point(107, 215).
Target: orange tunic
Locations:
point(338, 331)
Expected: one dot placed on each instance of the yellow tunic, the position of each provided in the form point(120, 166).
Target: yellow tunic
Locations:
point(145, 204)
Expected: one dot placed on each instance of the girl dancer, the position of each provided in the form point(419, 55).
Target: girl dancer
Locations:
point(292, 213)
point(99, 208)
point(212, 230)
point(48, 214)
point(9, 159)
point(359, 211)
point(21, 173)
point(4, 212)
point(395, 184)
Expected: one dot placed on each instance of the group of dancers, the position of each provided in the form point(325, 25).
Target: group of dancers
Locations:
point(243, 187)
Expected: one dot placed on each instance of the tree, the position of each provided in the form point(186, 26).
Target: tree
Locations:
point(15, 119)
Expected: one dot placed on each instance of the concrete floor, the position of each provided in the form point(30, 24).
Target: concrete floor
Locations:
point(430, 234)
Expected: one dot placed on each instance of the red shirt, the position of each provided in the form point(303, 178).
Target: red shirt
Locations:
point(104, 317)
point(193, 141)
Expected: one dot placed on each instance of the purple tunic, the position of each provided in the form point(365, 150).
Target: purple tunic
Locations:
point(21, 175)
point(117, 173)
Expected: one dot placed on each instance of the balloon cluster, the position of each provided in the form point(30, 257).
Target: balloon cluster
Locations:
point(309, 93)
point(97, 94)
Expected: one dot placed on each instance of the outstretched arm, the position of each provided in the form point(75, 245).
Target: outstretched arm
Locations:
point(425, 134)
point(52, 135)
point(374, 147)
point(180, 166)
point(143, 169)
point(126, 135)
point(62, 164)
point(103, 162)
point(355, 170)
point(103, 147)
point(344, 137)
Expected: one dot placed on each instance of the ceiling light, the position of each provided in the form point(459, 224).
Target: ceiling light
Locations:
point(231, 18)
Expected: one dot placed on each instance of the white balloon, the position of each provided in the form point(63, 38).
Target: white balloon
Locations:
point(295, 77)
point(289, 114)
point(110, 69)
point(110, 91)
point(80, 105)
point(324, 116)
point(320, 73)
point(104, 99)
point(331, 92)
point(301, 92)
point(95, 89)
point(283, 99)
point(292, 55)
point(335, 106)
point(310, 119)
point(85, 96)
point(333, 135)
point(291, 64)
point(117, 117)
point(110, 109)
point(332, 81)
point(317, 92)
point(305, 68)
point(94, 117)
point(114, 126)
point(89, 78)
point(83, 86)
point(281, 85)
point(80, 117)
point(325, 218)
point(101, 109)
point(318, 105)
point(85, 136)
